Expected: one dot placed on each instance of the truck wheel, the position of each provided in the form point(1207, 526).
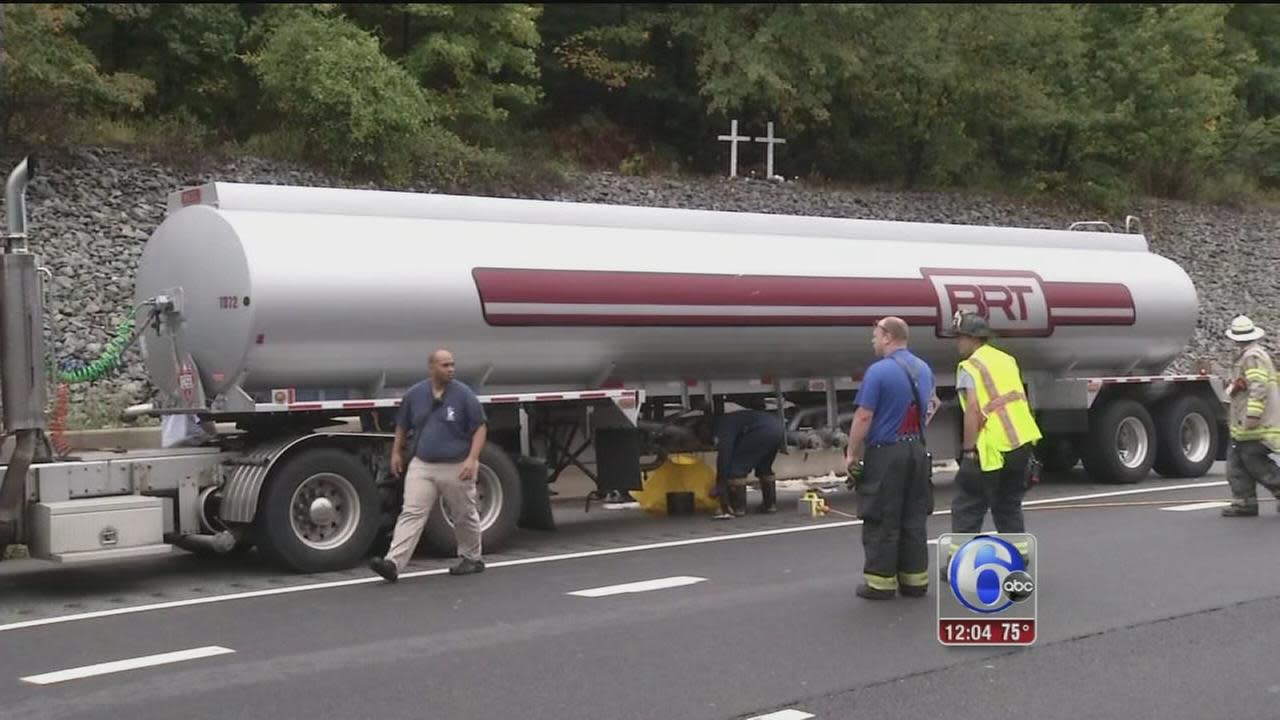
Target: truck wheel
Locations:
point(1121, 442)
point(500, 498)
point(1186, 437)
point(1057, 454)
point(318, 513)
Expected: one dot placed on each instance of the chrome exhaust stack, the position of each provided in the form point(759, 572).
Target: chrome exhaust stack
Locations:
point(23, 381)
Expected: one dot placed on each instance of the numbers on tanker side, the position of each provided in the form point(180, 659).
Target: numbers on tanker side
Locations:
point(228, 302)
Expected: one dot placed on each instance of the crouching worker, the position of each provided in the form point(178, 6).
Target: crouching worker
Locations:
point(746, 441)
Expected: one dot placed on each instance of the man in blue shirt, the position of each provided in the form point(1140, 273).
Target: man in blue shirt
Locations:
point(894, 491)
point(746, 441)
point(449, 430)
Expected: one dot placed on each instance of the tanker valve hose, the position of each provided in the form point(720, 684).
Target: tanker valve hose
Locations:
point(108, 360)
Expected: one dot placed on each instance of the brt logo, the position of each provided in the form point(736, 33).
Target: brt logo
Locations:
point(988, 574)
point(1013, 303)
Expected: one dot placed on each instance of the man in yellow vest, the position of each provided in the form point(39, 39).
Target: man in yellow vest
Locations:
point(1255, 421)
point(999, 433)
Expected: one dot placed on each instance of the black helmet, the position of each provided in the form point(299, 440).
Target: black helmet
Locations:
point(971, 324)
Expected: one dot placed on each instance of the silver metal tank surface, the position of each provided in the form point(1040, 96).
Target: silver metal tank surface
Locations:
point(303, 287)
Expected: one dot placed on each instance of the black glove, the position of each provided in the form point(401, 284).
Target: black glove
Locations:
point(969, 467)
point(856, 470)
point(1033, 474)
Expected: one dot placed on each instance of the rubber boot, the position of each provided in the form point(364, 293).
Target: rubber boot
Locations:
point(768, 496)
point(738, 499)
point(1240, 510)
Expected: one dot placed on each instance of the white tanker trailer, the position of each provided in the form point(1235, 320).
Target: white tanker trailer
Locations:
point(283, 309)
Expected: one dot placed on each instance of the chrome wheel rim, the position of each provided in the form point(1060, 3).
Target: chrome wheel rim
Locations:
point(488, 499)
point(1196, 437)
point(1132, 443)
point(324, 511)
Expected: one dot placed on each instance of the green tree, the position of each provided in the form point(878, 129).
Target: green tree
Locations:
point(1163, 81)
point(188, 50)
point(785, 60)
point(49, 75)
point(477, 63)
point(357, 109)
point(1253, 146)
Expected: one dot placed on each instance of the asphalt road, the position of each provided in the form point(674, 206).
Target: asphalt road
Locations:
point(1144, 613)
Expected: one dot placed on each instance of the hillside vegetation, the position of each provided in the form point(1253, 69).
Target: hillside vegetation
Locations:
point(1098, 102)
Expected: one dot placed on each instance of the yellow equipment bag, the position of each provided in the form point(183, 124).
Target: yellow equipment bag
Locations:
point(680, 473)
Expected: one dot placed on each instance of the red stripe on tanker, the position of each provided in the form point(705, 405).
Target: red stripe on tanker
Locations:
point(1018, 304)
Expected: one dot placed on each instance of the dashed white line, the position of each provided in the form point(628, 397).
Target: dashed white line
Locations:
point(639, 587)
point(107, 668)
point(784, 715)
point(542, 559)
point(1197, 506)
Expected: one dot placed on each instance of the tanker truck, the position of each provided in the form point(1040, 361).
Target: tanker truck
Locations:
point(299, 315)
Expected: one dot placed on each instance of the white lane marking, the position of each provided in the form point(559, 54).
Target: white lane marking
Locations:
point(1197, 506)
point(534, 561)
point(107, 668)
point(638, 587)
point(1121, 493)
point(784, 715)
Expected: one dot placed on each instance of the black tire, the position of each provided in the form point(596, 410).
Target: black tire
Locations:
point(1186, 437)
point(1103, 456)
point(496, 466)
point(1057, 454)
point(276, 537)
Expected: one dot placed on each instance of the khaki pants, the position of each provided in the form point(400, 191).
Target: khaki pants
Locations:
point(423, 483)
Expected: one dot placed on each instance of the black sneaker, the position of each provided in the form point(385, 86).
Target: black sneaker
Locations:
point(467, 567)
point(865, 591)
point(1239, 511)
point(385, 568)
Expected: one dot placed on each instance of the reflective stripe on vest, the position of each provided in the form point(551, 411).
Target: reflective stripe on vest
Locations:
point(999, 405)
point(996, 372)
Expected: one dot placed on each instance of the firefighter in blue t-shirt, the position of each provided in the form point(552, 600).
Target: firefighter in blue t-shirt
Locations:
point(894, 491)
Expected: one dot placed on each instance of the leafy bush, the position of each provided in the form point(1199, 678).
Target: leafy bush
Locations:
point(50, 77)
point(360, 111)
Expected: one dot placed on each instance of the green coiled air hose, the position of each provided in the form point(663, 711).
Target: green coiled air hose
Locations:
point(107, 361)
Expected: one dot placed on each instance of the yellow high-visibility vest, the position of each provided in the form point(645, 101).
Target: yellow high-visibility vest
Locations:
point(1007, 420)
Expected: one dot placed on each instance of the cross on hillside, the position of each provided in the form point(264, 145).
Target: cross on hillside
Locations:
point(733, 138)
point(770, 141)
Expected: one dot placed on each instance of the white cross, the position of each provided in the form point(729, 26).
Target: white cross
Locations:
point(770, 140)
point(733, 138)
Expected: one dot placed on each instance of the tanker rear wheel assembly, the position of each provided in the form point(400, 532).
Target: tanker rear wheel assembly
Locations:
point(319, 512)
point(499, 499)
point(1121, 443)
point(1186, 435)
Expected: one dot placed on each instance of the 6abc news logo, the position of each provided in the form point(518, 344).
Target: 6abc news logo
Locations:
point(991, 598)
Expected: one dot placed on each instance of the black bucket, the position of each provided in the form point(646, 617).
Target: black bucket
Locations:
point(680, 503)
